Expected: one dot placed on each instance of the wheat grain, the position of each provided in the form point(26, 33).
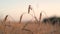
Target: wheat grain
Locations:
point(29, 8)
point(40, 17)
point(5, 18)
point(21, 18)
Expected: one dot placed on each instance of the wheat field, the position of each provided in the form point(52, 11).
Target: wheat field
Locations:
point(28, 28)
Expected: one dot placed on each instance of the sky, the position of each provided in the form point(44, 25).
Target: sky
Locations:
point(15, 8)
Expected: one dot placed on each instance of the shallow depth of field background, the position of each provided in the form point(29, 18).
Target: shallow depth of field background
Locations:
point(29, 25)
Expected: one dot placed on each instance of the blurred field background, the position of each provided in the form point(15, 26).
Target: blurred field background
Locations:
point(30, 27)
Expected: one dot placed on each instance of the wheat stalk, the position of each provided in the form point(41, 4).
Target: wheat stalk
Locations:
point(29, 8)
point(33, 12)
point(21, 17)
point(4, 23)
point(40, 17)
point(5, 18)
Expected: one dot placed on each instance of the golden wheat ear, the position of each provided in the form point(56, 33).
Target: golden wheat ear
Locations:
point(29, 8)
point(40, 17)
point(21, 18)
point(5, 18)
